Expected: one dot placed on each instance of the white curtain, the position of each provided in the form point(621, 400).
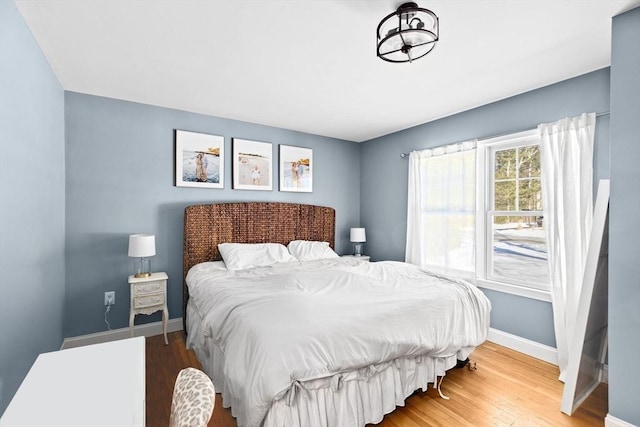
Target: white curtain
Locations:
point(441, 209)
point(566, 149)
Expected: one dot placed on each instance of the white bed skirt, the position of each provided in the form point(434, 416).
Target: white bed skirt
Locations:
point(354, 398)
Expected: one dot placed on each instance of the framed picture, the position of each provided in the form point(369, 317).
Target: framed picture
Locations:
point(252, 165)
point(296, 169)
point(199, 160)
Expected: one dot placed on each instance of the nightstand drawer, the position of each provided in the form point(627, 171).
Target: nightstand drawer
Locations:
point(148, 288)
point(148, 301)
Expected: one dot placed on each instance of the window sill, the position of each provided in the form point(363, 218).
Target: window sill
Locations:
point(521, 291)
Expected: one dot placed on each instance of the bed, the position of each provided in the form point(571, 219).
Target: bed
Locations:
point(319, 342)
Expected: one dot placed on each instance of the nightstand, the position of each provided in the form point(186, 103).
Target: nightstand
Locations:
point(148, 295)
point(363, 258)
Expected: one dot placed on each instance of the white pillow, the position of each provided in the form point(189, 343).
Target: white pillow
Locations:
point(206, 268)
point(209, 266)
point(306, 250)
point(238, 256)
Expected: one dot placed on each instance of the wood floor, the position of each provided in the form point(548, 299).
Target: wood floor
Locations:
point(507, 389)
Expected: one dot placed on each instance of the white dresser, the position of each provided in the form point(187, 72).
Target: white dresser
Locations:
point(95, 385)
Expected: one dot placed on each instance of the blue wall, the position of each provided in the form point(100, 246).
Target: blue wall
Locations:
point(120, 180)
point(31, 203)
point(384, 176)
point(624, 220)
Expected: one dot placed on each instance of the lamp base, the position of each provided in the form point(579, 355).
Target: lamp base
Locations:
point(141, 268)
point(357, 249)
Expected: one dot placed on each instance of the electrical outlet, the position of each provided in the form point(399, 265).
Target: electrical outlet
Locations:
point(110, 298)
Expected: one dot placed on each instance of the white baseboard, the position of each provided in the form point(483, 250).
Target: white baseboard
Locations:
point(523, 345)
point(611, 421)
point(146, 330)
point(532, 348)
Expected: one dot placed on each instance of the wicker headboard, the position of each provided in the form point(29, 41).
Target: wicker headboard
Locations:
point(256, 222)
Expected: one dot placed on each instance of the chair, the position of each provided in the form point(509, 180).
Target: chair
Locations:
point(193, 399)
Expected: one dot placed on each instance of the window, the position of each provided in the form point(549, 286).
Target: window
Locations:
point(510, 220)
point(441, 209)
point(481, 209)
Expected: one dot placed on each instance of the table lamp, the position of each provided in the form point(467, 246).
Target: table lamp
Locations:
point(357, 237)
point(142, 246)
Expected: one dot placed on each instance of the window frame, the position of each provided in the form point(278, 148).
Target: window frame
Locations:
point(486, 150)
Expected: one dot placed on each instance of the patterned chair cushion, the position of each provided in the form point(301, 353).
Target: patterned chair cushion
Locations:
point(193, 399)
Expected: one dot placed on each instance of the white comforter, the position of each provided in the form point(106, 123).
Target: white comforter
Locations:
point(281, 325)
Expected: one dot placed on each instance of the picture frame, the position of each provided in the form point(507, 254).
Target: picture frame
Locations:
point(199, 160)
point(252, 165)
point(296, 169)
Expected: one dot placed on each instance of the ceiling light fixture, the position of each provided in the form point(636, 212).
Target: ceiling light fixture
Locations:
point(407, 34)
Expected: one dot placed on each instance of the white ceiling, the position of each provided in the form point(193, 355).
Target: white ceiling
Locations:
point(311, 65)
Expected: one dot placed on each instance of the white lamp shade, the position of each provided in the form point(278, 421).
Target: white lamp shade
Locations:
point(142, 245)
point(358, 235)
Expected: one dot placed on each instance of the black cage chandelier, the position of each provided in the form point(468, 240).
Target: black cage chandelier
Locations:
point(407, 34)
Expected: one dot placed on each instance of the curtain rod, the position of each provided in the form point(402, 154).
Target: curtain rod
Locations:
point(403, 155)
